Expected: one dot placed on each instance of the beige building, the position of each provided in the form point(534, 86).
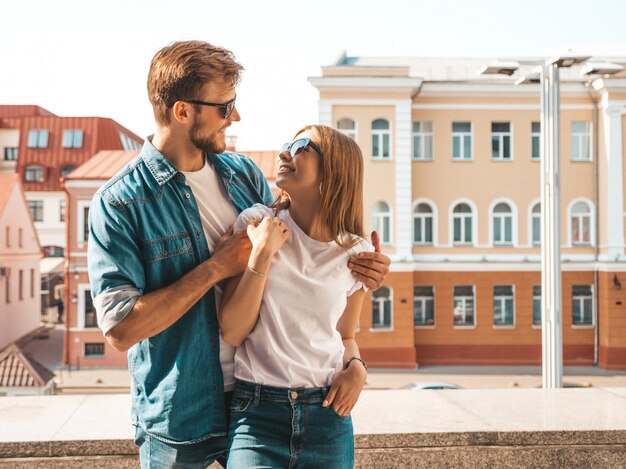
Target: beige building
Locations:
point(452, 182)
point(20, 299)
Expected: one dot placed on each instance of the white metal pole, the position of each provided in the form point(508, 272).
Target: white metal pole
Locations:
point(552, 336)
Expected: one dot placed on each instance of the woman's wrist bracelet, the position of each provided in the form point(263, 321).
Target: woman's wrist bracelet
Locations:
point(256, 272)
point(351, 359)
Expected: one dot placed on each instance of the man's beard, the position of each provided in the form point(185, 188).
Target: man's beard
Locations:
point(208, 145)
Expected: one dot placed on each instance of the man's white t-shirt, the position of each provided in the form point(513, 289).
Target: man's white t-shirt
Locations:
point(217, 214)
point(295, 342)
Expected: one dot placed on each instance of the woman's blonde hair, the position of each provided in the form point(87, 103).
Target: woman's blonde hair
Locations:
point(341, 165)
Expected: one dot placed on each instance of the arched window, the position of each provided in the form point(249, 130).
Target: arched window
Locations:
point(502, 224)
point(382, 308)
point(423, 224)
point(348, 127)
point(462, 224)
point(381, 221)
point(580, 223)
point(536, 224)
point(65, 170)
point(34, 173)
point(381, 140)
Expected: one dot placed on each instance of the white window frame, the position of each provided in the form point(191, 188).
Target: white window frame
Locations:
point(43, 211)
point(535, 297)
point(592, 223)
point(41, 169)
point(382, 300)
point(502, 299)
point(464, 300)
point(353, 133)
point(81, 289)
point(378, 220)
point(379, 135)
point(514, 225)
point(423, 135)
point(73, 138)
point(578, 140)
point(535, 135)
point(80, 217)
point(423, 300)
point(37, 138)
point(94, 356)
point(583, 298)
point(500, 136)
point(474, 216)
point(531, 219)
point(462, 135)
point(434, 222)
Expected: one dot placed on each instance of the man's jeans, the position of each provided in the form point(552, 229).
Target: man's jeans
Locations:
point(156, 454)
point(287, 428)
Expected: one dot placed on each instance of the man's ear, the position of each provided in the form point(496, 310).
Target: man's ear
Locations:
point(181, 111)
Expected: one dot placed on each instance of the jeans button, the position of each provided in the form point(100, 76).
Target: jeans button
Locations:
point(294, 395)
point(188, 195)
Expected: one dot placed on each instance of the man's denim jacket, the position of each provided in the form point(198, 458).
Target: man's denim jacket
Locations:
point(145, 233)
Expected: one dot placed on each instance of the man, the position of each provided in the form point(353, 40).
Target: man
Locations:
point(159, 244)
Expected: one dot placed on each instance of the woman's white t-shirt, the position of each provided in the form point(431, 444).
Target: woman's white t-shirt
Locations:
point(295, 342)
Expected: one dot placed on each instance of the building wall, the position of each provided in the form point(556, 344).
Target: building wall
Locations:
point(19, 313)
point(51, 230)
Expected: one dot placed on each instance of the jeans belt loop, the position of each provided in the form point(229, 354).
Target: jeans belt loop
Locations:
point(257, 394)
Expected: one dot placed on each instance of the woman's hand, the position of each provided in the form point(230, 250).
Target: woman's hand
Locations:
point(267, 238)
point(346, 389)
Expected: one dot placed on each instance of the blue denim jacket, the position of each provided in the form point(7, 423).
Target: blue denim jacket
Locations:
point(144, 234)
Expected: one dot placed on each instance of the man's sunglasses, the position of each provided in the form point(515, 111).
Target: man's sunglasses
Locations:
point(299, 146)
point(227, 107)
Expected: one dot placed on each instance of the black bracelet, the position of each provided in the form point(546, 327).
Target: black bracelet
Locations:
point(345, 367)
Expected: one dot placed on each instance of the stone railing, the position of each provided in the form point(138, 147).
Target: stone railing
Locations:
point(566, 428)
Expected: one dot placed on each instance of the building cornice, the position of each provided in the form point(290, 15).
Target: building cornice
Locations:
point(406, 84)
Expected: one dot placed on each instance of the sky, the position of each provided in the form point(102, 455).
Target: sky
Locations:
point(91, 58)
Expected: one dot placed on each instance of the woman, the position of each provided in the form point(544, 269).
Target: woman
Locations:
point(294, 311)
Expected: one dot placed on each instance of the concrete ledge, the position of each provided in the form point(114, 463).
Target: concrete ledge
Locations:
point(466, 428)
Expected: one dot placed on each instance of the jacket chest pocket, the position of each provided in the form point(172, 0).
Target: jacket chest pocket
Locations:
point(167, 258)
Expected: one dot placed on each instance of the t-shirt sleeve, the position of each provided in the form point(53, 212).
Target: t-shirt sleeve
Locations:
point(252, 214)
point(362, 246)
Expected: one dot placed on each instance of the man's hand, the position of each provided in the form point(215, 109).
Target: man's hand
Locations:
point(371, 268)
point(232, 252)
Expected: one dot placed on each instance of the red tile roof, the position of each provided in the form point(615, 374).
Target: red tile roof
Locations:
point(22, 110)
point(17, 369)
point(104, 165)
point(7, 182)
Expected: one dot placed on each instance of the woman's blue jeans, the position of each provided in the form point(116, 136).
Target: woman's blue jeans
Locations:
point(287, 428)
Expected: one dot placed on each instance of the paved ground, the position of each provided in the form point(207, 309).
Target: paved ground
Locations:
point(49, 352)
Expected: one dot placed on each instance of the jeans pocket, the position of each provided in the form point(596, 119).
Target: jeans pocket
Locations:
point(337, 415)
point(240, 403)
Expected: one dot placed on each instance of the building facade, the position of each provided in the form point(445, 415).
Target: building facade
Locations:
point(452, 184)
point(43, 148)
point(20, 299)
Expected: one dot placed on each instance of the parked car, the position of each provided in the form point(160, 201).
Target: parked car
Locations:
point(430, 385)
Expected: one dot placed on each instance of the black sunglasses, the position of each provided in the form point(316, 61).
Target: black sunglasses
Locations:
point(299, 146)
point(227, 107)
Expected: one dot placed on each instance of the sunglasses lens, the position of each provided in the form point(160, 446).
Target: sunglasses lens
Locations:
point(298, 146)
point(283, 149)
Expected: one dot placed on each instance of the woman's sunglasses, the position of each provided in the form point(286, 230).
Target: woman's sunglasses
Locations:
point(299, 146)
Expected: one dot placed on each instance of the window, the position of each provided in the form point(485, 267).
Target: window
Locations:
point(62, 210)
point(503, 306)
point(501, 140)
point(82, 225)
point(462, 221)
point(581, 141)
point(381, 221)
point(536, 224)
point(502, 225)
point(34, 174)
point(65, 170)
point(464, 306)
point(423, 140)
point(54, 251)
point(32, 283)
point(90, 311)
point(72, 139)
point(535, 129)
point(20, 285)
point(10, 154)
point(381, 138)
point(381, 308)
point(128, 143)
point(36, 209)
point(37, 138)
point(94, 350)
point(461, 140)
point(348, 127)
point(581, 223)
point(582, 305)
point(423, 224)
point(537, 305)
point(423, 306)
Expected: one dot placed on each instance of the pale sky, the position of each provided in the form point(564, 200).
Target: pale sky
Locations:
point(91, 58)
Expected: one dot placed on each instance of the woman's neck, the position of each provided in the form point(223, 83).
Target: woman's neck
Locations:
point(306, 214)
